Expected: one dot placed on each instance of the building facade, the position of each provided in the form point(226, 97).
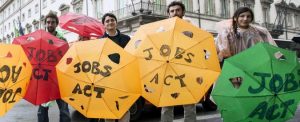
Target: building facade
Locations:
point(282, 19)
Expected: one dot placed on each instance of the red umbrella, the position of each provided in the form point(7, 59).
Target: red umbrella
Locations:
point(44, 51)
point(81, 24)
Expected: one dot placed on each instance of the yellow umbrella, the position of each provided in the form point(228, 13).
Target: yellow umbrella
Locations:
point(178, 61)
point(99, 79)
point(15, 72)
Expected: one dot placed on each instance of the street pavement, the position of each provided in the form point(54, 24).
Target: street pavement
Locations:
point(23, 111)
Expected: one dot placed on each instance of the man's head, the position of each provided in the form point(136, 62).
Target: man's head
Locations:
point(51, 22)
point(109, 21)
point(176, 8)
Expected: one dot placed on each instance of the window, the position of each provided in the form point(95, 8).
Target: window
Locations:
point(236, 4)
point(14, 7)
point(99, 8)
point(44, 3)
point(8, 26)
point(29, 13)
point(210, 7)
point(64, 9)
point(225, 8)
point(121, 4)
point(23, 17)
point(289, 20)
point(266, 15)
point(297, 22)
point(188, 4)
point(36, 8)
point(77, 5)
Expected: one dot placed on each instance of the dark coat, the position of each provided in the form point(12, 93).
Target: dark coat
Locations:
point(120, 39)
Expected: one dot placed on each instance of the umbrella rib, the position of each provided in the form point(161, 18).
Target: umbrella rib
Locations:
point(193, 66)
point(143, 58)
point(186, 87)
point(99, 61)
point(81, 61)
point(286, 82)
point(247, 73)
point(75, 78)
point(162, 84)
point(23, 89)
point(287, 107)
point(153, 70)
point(116, 70)
point(147, 36)
point(19, 59)
point(189, 48)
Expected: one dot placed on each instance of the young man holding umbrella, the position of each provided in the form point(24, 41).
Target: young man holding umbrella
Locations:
point(109, 21)
point(177, 9)
point(51, 22)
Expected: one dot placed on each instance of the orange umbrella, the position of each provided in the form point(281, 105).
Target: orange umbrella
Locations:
point(178, 61)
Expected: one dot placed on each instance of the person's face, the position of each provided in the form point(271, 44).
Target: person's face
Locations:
point(244, 19)
point(110, 23)
point(51, 24)
point(176, 11)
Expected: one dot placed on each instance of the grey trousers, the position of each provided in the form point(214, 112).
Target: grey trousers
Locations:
point(167, 114)
point(125, 118)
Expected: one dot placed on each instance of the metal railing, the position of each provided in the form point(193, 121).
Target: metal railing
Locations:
point(141, 8)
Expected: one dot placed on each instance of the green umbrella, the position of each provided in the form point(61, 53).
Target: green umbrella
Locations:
point(261, 83)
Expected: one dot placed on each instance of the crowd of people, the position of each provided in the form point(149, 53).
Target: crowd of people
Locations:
point(238, 35)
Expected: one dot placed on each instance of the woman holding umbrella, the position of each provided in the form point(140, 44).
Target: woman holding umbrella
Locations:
point(238, 34)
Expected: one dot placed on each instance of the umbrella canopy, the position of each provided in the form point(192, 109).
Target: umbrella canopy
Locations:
point(178, 61)
point(259, 84)
point(102, 79)
point(81, 24)
point(44, 51)
point(15, 72)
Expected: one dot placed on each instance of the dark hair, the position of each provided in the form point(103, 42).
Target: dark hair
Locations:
point(236, 16)
point(174, 3)
point(110, 15)
point(51, 15)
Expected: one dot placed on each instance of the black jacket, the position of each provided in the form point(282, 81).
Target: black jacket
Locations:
point(119, 39)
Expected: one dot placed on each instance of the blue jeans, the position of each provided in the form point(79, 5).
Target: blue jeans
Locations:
point(64, 114)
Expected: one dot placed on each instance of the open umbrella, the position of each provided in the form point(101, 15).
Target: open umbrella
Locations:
point(102, 79)
point(15, 72)
point(178, 61)
point(259, 84)
point(44, 51)
point(81, 24)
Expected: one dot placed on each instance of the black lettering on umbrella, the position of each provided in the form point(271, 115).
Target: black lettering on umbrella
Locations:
point(117, 105)
point(115, 57)
point(175, 95)
point(155, 79)
point(236, 82)
point(188, 34)
point(82, 107)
